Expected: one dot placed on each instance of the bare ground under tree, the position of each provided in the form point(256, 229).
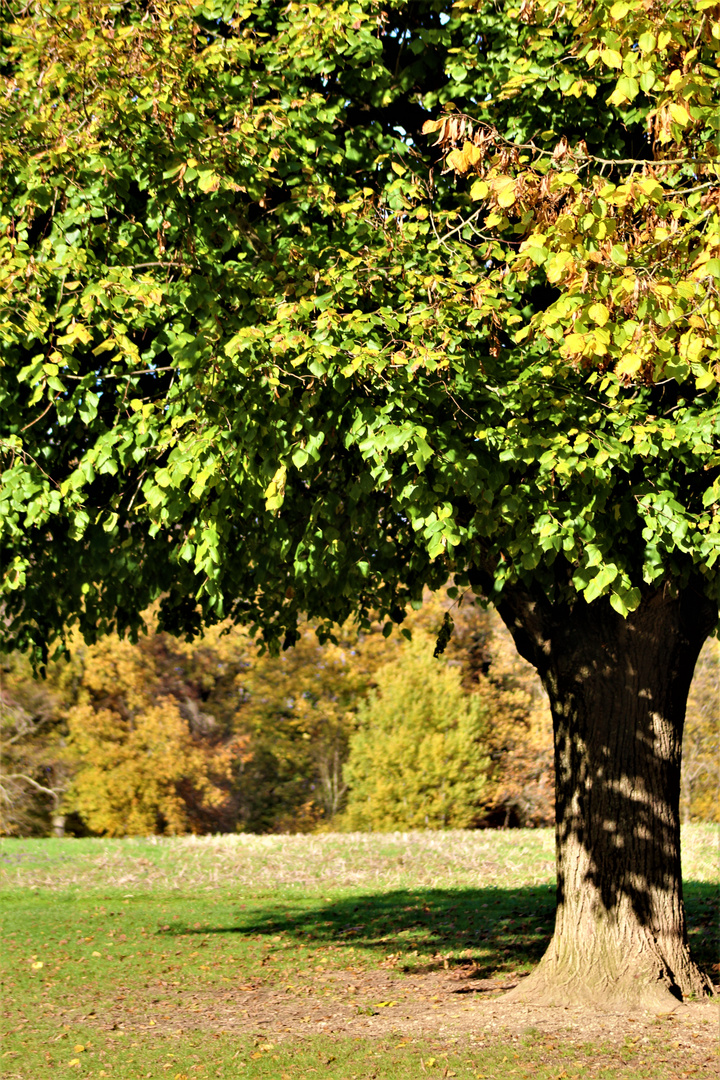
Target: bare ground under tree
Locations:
point(433, 1005)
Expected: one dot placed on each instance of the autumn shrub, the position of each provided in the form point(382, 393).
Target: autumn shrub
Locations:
point(418, 758)
point(34, 770)
point(298, 710)
point(700, 791)
point(148, 757)
point(520, 789)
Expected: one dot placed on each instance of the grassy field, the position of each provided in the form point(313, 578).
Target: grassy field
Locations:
point(342, 956)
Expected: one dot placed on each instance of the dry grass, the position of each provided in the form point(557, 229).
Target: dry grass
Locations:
point(451, 859)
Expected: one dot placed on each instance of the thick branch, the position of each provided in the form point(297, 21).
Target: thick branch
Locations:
point(29, 780)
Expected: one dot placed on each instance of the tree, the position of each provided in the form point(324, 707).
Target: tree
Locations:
point(267, 354)
point(519, 732)
point(34, 772)
point(418, 759)
point(148, 758)
point(701, 740)
point(298, 710)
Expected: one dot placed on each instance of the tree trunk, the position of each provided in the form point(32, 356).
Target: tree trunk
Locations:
point(618, 689)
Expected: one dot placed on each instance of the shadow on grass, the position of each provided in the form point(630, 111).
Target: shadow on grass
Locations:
point(496, 930)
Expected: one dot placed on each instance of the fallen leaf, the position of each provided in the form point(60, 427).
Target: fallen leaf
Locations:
point(78, 1049)
point(37, 965)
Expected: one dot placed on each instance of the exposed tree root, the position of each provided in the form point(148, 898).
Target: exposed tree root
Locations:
point(646, 984)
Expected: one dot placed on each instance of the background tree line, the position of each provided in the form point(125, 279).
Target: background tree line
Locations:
point(166, 736)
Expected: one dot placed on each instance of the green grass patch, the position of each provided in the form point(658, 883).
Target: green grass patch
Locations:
point(227, 957)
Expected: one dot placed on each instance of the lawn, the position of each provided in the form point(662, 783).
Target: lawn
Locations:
point(340, 956)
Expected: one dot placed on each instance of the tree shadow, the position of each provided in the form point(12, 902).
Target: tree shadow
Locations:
point(702, 907)
point(493, 931)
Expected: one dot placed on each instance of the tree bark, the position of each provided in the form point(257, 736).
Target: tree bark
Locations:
point(618, 689)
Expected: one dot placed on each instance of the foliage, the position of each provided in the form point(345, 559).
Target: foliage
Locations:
point(136, 714)
point(296, 717)
point(269, 356)
point(149, 759)
point(34, 772)
point(298, 710)
point(418, 757)
point(701, 740)
point(519, 732)
point(245, 308)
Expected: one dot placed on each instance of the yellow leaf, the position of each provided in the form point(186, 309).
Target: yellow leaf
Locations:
point(461, 160)
point(705, 381)
point(619, 10)
point(75, 1061)
point(209, 181)
point(479, 190)
point(78, 1049)
point(599, 314)
point(456, 160)
point(664, 37)
point(574, 343)
point(650, 186)
point(505, 189)
point(679, 114)
point(474, 154)
point(37, 965)
point(629, 364)
point(611, 58)
point(432, 125)
point(397, 168)
point(97, 954)
point(556, 266)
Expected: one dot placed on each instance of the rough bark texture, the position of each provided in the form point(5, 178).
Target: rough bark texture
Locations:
point(618, 689)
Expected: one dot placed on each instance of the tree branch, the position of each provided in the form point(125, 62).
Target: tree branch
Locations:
point(34, 783)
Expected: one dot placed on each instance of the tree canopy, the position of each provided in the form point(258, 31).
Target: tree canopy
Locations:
point(242, 292)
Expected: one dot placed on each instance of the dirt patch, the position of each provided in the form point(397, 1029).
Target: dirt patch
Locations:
point(435, 1005)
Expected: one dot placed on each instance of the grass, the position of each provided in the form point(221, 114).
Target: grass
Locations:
point(294, 956)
